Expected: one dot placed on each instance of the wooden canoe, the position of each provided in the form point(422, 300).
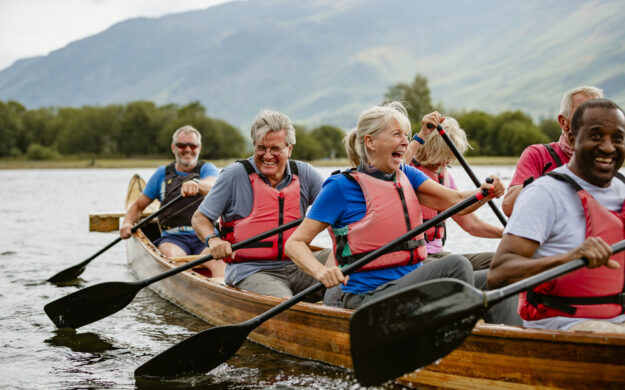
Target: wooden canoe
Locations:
point(493, 356)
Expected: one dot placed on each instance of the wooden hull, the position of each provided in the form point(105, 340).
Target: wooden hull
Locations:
point(493, 356)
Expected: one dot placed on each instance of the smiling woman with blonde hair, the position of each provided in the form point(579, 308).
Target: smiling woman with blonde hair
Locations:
point(370, 205)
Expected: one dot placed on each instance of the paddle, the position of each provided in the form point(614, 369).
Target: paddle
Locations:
point(74, 271)
point(467, 168)
point(101, 300)
point(416, 326)
point(210, 348)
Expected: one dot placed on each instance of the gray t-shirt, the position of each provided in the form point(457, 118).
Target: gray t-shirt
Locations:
point(549, 212)
point(232, 198)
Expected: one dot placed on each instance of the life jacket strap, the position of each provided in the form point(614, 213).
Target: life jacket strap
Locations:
point(564, 304)
point(345, 260)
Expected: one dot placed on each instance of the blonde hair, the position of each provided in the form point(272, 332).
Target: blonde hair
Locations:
point(435, 150)
point(371, 122)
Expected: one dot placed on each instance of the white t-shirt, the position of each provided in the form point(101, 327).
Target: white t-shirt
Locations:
point(549, 212)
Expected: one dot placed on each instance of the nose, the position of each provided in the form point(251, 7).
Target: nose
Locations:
point(606, 145)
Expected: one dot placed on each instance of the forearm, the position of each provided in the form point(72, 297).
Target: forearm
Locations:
point(300, 253)
point(206, 184)
point(509, 267)
point(477, 227)
point(202, 225)
point(508, 200)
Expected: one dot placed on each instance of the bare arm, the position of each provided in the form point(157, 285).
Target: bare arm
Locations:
point(132, 215)
point(513, 260)
point(297, 249)
point(203, 227)
point(477, 227)
point(438, 197)
point(508, 199)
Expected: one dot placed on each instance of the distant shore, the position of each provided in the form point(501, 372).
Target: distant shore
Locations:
point(153, 163)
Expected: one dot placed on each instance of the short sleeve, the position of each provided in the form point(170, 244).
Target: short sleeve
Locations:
point(529, 165)
point(330, 203)
point(208, 170)
point(153, 188)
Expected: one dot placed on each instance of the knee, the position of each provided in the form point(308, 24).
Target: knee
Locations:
point(461, 268)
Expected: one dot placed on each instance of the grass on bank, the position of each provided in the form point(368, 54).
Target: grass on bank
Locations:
point(155, 162)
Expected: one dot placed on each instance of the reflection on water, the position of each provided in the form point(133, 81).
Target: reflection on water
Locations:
point(44, 229)
point(80, 342)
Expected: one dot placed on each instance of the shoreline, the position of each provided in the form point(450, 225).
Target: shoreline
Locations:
point(156, 162)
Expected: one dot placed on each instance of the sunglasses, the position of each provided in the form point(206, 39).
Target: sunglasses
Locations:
point(183, 145)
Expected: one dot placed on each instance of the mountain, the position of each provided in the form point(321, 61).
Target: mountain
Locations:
point(324, 61)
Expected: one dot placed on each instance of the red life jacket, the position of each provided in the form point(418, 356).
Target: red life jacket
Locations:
point(586, 292)
point(386, 202)
point(439, 230)
point(271, 208)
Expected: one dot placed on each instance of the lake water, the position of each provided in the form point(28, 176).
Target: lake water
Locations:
point(44, 229)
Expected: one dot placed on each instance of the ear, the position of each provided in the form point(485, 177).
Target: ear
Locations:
point(571, 137)
point(173, 149)
point(369, 142)
point(564, 123)
point(289, 152)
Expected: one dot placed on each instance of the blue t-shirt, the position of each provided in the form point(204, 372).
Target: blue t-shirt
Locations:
point(340, 203)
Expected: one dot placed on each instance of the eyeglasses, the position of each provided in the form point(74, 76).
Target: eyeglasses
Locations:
point(183, 145)
point(274, 150)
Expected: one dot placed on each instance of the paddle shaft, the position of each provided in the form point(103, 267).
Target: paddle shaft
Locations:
point(370, 257)
point(204, 259)
point(495, 296)
point(467, 169)
point(135, 228)
point(75, 270)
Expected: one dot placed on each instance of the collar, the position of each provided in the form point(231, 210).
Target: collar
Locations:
point(375, 172)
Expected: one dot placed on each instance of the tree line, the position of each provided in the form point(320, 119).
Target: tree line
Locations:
point(138, 128)
point(142, 128)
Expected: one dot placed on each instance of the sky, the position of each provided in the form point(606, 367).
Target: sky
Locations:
point(36, 27)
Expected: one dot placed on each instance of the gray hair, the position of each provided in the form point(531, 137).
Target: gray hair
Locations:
point(436, 151)
point(371, 122)
point(267, 121)
point(567, 101)
point(189, 130)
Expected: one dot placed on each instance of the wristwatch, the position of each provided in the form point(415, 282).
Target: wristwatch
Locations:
point(209, 237)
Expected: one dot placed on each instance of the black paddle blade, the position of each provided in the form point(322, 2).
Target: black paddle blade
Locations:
point(412, 328)
point(91, 303)
point(199, 353)
point(68, 274)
